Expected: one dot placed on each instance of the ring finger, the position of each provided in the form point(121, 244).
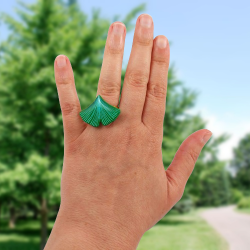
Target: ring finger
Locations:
point(110, 78)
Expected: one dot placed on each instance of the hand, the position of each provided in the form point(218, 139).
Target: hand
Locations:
point(114, 186)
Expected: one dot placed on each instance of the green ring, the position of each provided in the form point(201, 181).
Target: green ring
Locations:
point(100, 112)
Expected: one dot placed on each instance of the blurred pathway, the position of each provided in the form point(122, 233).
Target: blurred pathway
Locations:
point(232, 226)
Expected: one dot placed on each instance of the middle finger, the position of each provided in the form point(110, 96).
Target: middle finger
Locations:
point(137, 74)
point(110, 78)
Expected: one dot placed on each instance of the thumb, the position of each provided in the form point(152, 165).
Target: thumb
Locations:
point(183, 164)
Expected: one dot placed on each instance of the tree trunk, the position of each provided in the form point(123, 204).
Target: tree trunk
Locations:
point(0, 214)
point(35, 213)
point(12, 220)
point(44, 209)
point(44, 221)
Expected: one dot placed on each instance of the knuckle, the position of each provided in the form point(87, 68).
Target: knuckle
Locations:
point(155, 137)
point(115, 51)
point(155, 140)
point(157, 90)
point(160, 61)
point(69, 108)
point(138, 79)
point(128, 137)
point(108, 88)
point(64, 79)
point(145, 42)
point(192, 156)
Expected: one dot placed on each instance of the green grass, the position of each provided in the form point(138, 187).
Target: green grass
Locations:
point(243, 210)
point(182, 232)
point(174, 232)
point(26, 236)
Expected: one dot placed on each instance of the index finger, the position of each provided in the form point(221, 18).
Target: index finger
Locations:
point(69, 102)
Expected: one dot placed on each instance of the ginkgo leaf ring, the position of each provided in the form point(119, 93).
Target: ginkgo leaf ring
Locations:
point(100, 112)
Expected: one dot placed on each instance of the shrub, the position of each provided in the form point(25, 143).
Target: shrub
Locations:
point(244, 203)
point(184, 206)
point(236, 196)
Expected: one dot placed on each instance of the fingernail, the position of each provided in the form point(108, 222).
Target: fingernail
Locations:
point(206, 137)
point(117, 35)
point(161, 42)
point(146, 21)
point(118, 29)
point(61, 61)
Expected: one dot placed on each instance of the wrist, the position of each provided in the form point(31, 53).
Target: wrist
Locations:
point(75, 233)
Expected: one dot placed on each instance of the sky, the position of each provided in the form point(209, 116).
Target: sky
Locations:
point(210, 43)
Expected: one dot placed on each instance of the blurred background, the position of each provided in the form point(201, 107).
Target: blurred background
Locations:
point(209, 85)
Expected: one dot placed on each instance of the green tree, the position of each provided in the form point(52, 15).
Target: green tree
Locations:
point(71, 2)
point(31, 131)
point(39, 186)
point(7, 187)
point(10, 195)
point(32, 118)
point(241, 165)
point(215, 186)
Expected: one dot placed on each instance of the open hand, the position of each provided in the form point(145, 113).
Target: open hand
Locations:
point(114, 186)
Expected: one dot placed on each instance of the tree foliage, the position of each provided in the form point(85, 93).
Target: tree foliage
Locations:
point(241, 165)
point(31, 132)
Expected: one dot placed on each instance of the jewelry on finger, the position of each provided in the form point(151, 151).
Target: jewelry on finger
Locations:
point(100, 112)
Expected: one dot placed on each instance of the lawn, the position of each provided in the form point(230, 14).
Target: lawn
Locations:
point(182, 232)
point(26, 236)
point(243, 210)
point(174, 232)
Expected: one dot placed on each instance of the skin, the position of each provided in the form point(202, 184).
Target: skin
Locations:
point(114, 186)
